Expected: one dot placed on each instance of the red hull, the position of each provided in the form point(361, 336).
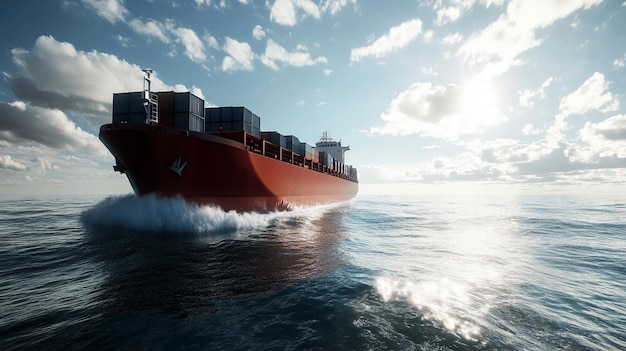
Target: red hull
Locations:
point(216, 170)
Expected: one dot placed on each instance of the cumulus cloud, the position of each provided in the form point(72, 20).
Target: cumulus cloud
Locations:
point(590, 96)
point(287, 12)
point(7, 162)
point(240, 56)
point(452, 39)
point(447, 14)
point(150, 28)
point(194, 48)
point(441, 111)
point(605, 139)
point(526, 96)
point(274, 54)
point(284, 11)
point(111, 10)
point(165, 31)
point(55, 75)
point(168, 32)
point(397, 38)
point(334, 6)
point(22, 122)
point(620, 62)
point(498, 46)
point(258, 33)
point(451, 11)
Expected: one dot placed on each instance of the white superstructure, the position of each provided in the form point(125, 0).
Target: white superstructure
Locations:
point(332, 147)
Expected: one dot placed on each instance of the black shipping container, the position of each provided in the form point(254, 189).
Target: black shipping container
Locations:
point(188, 102)
point(126, 104)
point(237, 115)
point(275, 138)
point(189, 121)
point(293, 143)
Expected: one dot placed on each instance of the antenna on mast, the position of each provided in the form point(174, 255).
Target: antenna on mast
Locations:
point(150, 99)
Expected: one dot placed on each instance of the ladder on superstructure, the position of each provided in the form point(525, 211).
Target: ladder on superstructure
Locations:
point(150, 99)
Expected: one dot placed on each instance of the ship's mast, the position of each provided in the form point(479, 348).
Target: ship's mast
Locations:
point(150, 99)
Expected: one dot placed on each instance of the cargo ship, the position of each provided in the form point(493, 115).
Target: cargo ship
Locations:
point(169, 144)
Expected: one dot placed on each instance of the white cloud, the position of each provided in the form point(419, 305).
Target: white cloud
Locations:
point(286, 12)
point(527, 95)
point(168, 32)
point(442, 111)
point(452, 39)
point(111, 10)
point(55, 85)
point(590, 96)
point(240, 56)
point(620, 62)
point(605, 139)
point(258, 33)
point(7, 162)
point(499, 45)
point(334, 6)
point(22, 122)
point(150, 28)
point(447, 14)
point(454, 9)
point(275, 54)
point(55, 75)
point(529, 129)
point(194, 48)
point(283, 12)
point(212, 42)
point(397, 38)
point(125, 41)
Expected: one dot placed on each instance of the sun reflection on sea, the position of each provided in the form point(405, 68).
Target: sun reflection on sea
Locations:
point(453, 274)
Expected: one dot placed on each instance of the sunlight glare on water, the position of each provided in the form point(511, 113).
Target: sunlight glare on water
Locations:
point(454, 273)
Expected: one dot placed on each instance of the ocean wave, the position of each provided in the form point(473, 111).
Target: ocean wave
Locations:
point(153, 213)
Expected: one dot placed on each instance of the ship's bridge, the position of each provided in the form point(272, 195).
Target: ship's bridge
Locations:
point(332, 147)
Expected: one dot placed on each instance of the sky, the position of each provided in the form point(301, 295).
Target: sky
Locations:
point(527, 93)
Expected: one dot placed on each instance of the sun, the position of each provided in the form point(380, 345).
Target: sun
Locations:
point(479, 102)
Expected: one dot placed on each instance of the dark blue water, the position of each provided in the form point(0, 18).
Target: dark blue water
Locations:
point(376, 273)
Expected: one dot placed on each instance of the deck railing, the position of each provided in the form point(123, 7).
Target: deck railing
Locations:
point(268, 149)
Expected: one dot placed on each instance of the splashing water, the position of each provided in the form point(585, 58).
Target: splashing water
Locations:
point(151, 213)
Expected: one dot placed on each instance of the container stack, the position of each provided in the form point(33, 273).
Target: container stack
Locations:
point(275, 138)
point(128, 108)
point(326, 159)
point(293, 143)
point(307, 151)
point(232, 119)
point(188, 112)
point(179, 110)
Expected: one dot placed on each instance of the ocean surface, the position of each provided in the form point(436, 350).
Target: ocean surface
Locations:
point(376, 273)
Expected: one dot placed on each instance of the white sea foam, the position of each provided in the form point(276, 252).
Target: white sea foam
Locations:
point(151, 213)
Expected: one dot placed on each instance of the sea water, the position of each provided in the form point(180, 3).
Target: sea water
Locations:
point(375, 273)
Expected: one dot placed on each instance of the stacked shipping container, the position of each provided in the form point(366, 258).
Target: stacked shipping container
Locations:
point(232, 119)
point(187, 111)
point(128, 108)
point(180, 110)
point(275, 138)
